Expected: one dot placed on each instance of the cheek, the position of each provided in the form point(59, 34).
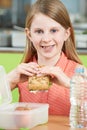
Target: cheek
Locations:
point(60, 46)
point(35, 39)
point(35, 43)
point(60, 42)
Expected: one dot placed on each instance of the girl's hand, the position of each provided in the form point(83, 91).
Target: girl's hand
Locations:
point(21, 73)
point(58, 76)
point(28, 69)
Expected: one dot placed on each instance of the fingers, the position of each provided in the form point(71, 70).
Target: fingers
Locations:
point(46, 70)
point(28, 69)
point(53, 71)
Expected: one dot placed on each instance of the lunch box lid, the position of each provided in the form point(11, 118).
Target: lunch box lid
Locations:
point(5, 91)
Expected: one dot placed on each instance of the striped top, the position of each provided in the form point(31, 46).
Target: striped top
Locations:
point(57, 96)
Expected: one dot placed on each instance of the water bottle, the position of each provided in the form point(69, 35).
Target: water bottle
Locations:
point(78, 99)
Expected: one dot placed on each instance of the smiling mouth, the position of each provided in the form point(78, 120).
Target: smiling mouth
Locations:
point(47, 46)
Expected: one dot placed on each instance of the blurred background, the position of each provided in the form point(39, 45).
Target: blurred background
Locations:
point(13, 12)
point(12, 37)
point(12, 21)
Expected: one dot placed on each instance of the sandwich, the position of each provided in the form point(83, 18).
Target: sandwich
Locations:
point(21, 108)
point(40, 83)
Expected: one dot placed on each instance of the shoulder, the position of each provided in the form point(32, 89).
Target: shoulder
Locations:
point(70, 64)
point(67, 65)
point(70, 67)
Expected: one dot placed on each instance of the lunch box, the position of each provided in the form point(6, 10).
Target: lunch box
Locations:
point(13, 118)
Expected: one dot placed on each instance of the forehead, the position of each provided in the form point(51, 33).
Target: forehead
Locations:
point(41, 20)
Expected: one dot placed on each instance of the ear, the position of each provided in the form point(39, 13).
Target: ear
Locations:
point(67, 33)
point(27, 33)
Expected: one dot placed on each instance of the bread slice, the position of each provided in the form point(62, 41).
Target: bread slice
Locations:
point(39, 83)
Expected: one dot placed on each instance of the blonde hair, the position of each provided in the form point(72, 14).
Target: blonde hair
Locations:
point(57, 11)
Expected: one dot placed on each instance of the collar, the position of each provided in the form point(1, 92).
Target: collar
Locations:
point(62, 62)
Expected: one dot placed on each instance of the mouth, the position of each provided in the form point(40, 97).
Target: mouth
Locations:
point(45, 47)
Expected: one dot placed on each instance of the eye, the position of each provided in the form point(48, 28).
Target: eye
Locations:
point(39, 31)
point(54, 30)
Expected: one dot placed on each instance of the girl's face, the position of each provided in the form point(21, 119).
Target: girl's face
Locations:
point(47, 36)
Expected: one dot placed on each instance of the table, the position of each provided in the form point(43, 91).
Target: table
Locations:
point(56, 123)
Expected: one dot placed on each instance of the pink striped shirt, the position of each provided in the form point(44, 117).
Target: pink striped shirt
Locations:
point(57, 96)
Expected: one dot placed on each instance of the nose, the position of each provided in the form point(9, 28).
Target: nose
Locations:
point(46, 37)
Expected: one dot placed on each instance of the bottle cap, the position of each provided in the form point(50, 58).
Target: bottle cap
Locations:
point(79, 70)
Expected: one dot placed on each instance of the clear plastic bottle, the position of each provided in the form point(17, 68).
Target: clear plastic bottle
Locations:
point(78, 99)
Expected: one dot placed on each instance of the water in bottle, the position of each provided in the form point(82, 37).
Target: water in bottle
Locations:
point(78, 99)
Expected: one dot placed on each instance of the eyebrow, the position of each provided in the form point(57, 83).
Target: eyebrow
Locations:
point(55, 27)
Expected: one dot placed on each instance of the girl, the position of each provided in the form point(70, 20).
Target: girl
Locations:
point(51, 44)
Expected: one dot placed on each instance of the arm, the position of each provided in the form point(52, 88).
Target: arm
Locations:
point(21, 73)
point(58, 76)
